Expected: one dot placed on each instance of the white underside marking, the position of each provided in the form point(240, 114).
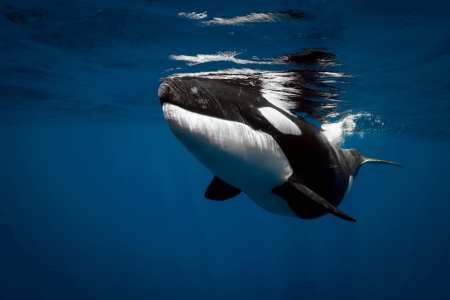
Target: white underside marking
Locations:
point(280, 121)
point(349, 187)
point(247, 159)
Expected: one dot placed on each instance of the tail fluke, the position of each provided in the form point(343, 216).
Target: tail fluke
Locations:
point(355, 160)
point(368, 160)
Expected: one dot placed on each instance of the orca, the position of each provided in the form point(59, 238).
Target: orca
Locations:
point(253, 144)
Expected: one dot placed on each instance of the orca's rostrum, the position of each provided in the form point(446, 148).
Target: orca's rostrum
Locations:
point(241, 125)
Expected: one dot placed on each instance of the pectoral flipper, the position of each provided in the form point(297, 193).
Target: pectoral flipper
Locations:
point(219, 190)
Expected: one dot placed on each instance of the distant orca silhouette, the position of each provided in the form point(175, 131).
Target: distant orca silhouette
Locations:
point(252, 143)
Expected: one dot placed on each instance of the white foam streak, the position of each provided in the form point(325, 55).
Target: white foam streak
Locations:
point(220, 56)
point(333, 74)
point(221, 74)
point(193, 15)
point(251, 18)
point(336, 132)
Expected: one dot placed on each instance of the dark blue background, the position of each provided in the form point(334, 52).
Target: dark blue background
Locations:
point(98, 200)
point(117, 211)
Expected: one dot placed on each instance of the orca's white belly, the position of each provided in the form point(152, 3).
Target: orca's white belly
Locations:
point(245, 158)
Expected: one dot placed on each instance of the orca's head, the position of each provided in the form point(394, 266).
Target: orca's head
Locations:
point(178, 91)
point(215, 98)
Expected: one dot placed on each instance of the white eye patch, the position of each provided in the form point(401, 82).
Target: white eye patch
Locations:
point(280, 121)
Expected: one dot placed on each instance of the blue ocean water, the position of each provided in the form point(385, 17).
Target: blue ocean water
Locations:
point(98, 200)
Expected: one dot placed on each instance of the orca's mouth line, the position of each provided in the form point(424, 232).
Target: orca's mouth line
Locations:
point(168, 107)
